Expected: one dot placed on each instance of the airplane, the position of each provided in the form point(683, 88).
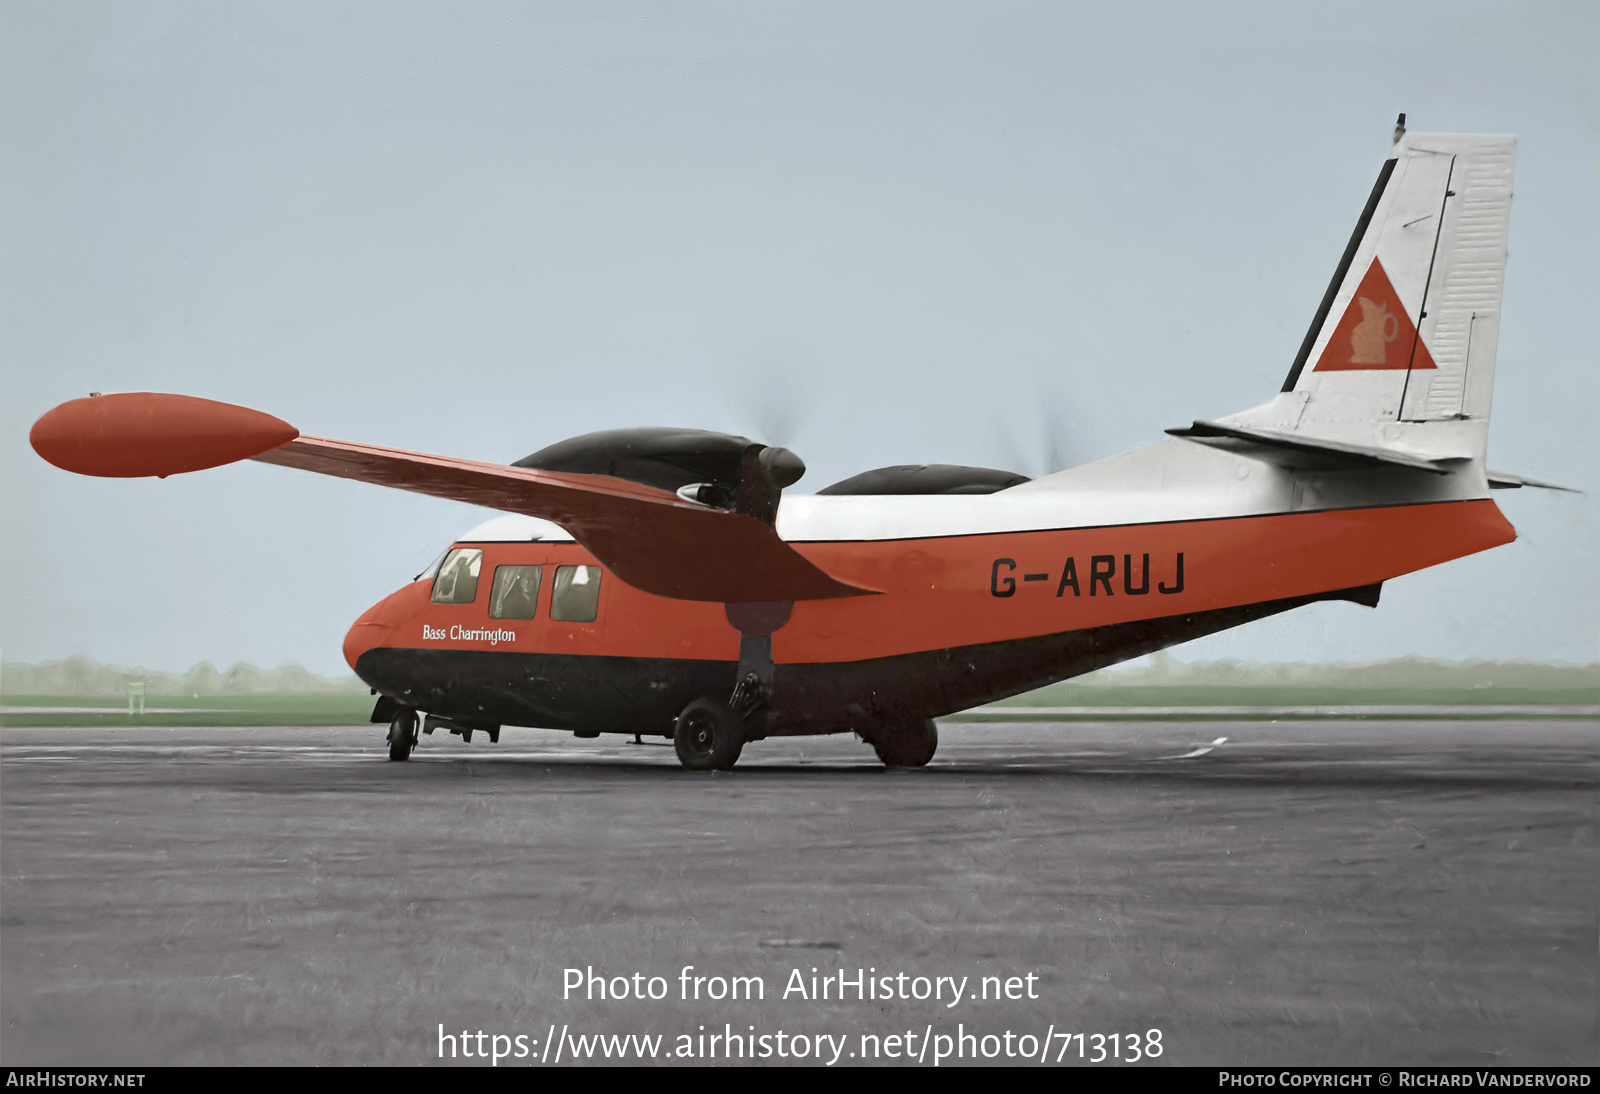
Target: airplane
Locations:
point(659, 581)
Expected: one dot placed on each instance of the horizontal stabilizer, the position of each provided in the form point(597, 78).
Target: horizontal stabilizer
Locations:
point(1499, 480)
point(1274, 446)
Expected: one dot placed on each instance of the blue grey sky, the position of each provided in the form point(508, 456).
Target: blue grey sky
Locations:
point(1010, 234)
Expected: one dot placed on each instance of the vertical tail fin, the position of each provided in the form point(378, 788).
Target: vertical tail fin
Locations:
point(1400, 355)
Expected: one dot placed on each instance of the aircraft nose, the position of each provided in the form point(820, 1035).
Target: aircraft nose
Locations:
point(362, 636)
point(376, 627)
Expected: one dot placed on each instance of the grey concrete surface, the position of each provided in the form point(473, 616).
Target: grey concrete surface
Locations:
point(1307, 892)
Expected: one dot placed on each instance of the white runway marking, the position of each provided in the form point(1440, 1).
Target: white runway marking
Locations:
point(1201, 751)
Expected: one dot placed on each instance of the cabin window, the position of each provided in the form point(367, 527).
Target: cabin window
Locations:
point(457, 582)
point(577, 594)
point(515, 593)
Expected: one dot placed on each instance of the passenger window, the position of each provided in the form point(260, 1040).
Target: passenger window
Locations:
point(457, 582)
point(577, 594)
point(515, 594)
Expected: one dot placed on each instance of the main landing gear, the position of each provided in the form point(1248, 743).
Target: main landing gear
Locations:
point(402, 734)
point(708, 736)
point(910, 744)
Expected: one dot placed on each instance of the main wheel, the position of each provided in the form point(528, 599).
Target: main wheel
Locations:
point(708, 736)
point(909, 745)
point(403, 734)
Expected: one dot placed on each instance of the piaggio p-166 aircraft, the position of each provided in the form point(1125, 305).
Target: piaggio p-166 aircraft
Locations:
point(659, 581)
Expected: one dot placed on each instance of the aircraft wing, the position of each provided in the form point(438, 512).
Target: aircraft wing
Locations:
point(650, 538)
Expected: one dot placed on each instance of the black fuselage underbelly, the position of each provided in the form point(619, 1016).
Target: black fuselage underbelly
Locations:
point(645, 695)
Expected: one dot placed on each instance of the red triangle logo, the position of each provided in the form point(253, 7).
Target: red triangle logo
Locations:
point(1376, 332)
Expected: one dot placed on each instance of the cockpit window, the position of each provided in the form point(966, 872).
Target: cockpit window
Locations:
point(515, 593)
point(433, 567)
point(577, 594)
point(457, 582)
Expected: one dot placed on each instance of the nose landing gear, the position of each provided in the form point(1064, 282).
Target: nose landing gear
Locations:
point(403, 734)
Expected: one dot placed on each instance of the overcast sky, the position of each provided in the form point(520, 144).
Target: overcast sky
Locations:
point(1004, 234)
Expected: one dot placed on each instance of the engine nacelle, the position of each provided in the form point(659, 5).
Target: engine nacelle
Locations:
point(670, 459)
point(927, 478)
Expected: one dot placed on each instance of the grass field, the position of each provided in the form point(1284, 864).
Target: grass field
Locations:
point(183, 710)
point(1069, 701)
point(1069, 694)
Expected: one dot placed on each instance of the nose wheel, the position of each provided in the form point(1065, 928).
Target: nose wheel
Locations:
point(403, 734)
point(708, 736)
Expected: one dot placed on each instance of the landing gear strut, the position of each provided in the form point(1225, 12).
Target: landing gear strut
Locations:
point(910, 744)
point(708, 737)
point(403, 734)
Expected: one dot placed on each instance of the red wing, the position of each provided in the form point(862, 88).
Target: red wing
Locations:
point(650, 538)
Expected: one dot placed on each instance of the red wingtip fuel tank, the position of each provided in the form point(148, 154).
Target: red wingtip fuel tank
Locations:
point(142, 433)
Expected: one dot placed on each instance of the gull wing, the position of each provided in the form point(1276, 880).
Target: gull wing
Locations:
point(650, 538)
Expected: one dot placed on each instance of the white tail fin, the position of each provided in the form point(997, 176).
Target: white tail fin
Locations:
point(1400, 356)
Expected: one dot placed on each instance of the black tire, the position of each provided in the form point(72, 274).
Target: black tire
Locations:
point(708, 736)
point(403, 734)
point(910, 745)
